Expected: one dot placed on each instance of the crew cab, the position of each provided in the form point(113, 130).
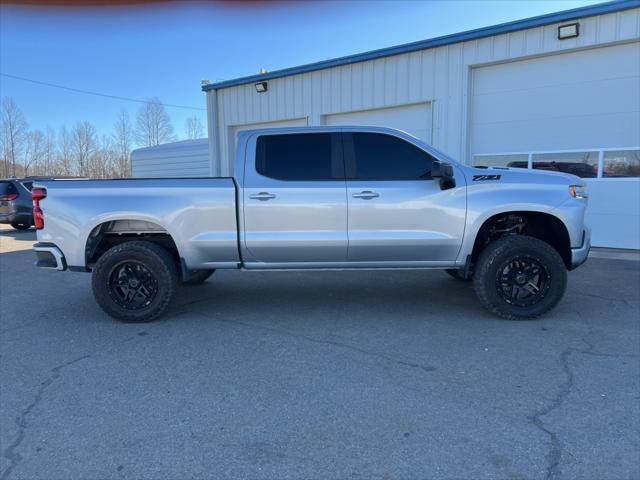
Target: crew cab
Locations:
point(319, 198)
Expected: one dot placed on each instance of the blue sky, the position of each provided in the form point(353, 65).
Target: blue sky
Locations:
point(165, 50)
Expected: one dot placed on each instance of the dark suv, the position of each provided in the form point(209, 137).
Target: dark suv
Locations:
point(16, 206)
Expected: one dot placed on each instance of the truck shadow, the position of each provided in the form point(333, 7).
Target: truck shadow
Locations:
point(297, 299)
point(320, 297)
point(325, 295)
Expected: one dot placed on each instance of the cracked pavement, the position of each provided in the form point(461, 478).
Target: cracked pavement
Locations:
point(325, 375)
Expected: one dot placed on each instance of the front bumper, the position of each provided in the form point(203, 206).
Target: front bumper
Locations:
point(49, 256)
point(579, 255)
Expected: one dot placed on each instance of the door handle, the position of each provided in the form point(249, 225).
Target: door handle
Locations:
point(366, 195)
point(262, 196)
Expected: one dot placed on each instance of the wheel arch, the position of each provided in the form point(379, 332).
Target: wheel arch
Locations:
point(113, 231)
point(538, 224)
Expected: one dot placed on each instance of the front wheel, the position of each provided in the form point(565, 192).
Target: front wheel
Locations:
point(134, 281)
point(519, 277)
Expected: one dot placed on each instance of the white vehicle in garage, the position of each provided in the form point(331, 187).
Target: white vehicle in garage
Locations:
point(318, 198)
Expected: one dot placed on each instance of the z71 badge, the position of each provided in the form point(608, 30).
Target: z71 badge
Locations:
point(479, 178)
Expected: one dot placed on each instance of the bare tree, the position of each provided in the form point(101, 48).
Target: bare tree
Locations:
point(123, 138)
point(65, 152)
point(194, 128)
point(110, 158)
point(103, 162)
point(83, 138)
point(153, 125)
point(34, 151)
point(49, 152)
point(14, 132)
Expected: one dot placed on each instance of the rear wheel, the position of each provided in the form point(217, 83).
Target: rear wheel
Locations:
point(21, 226)
point(519, 277)
point(197, 277)
point(134, 281)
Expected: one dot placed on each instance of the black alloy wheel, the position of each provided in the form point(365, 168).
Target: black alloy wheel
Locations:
point(132, 286)
point(522, 281)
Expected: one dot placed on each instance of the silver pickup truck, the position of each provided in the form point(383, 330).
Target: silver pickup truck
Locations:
point(319, 198)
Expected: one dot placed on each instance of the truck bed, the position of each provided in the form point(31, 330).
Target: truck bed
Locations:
point(198, 213)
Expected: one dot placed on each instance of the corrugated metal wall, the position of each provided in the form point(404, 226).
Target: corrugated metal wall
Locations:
point(439, 75)
point(189, 158)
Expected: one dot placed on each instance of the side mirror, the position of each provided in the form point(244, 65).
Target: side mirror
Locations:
point(443, 171)
point(436, 169)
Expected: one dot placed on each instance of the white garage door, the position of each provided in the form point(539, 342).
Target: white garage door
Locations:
point(414, 119)
point(294, 122)
point(585, 101)
point(560, 102)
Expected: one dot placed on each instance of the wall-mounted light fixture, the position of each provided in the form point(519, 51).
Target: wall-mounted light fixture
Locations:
point(261, 87)
point(570, 30)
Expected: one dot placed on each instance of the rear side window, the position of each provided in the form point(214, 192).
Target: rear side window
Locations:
point(28, 185)
point(376, 156)
point(7, 188)
point(308, 156)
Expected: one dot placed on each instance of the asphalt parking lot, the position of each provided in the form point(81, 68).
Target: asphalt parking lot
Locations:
point(327, 375)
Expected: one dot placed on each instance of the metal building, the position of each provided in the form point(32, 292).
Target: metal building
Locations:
point(188, 158)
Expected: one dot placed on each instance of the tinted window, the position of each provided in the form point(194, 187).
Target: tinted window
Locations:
point(305, 156)
point(383, 157)
point(28, 185)
point(7, 188)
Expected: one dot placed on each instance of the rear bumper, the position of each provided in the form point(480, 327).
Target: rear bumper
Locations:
point(49, 256)
point(579, 255)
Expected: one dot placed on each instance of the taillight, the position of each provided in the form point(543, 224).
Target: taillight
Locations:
point(38, 194)
point(8, 197)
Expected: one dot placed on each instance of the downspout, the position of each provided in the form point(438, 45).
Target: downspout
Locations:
point(214, 140)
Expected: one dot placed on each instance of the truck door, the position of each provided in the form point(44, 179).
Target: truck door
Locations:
point(294, 199)
point(397, 212)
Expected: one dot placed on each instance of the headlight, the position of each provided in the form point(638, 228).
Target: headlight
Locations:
point(578, 191)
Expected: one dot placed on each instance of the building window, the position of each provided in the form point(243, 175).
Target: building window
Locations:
point(518, 160)
point(618, 163)
point(581, 164)
point(621, 163)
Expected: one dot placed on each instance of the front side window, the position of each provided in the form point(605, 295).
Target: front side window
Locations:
point(300, 156)
point(582, 164)
point(378, 156)
point(621, 163)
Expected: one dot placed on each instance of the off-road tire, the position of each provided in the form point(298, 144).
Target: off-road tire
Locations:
point(155, 259)
point(458, 275)
point(21, 226)
point(507, 249)
point(197, 277)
